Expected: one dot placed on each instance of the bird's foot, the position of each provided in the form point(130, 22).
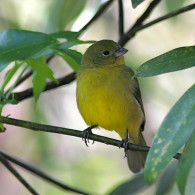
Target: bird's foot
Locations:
point(125, 144)
point(86, 134)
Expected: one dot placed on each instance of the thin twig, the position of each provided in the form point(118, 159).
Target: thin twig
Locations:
point(167, 16)
point(101, 10)
point(132, 32)
point(120, 18)
point(17, 175)
point(72, 132)
point(27, 93)
point(39, 173)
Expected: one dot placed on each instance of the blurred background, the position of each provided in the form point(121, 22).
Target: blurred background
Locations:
point(97, 168)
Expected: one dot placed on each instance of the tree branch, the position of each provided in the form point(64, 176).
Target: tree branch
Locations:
point(17, 175)
point(19, 96)
point(120, 18)
point(39, 173)
point(132, 32)
point(72, 132)
point(123, 40)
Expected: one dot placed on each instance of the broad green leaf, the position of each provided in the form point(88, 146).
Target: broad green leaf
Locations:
point(21, 45)
point(173, 133)
point(73, 58)
point(173, 4)
point(63, 12)
point(135, 3)
point(40, 66)
point(71, 43)
point(132, 186)
point(190, 187)
point(174, 60)
point(186, 163)
point(39, 83)
point(66, 35)
point(167, 180)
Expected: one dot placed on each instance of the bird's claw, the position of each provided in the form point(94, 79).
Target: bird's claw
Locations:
point(86, 134)
point(125, 144)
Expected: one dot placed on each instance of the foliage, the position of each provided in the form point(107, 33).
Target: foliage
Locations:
point(31, 50)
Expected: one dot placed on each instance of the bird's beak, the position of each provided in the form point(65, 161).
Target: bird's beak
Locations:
point(120, 52)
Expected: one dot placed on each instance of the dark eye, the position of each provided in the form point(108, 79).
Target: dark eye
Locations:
point(105, 53)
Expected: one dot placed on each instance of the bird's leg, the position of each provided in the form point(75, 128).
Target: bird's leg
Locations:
point(86, 134)
point(125, 143)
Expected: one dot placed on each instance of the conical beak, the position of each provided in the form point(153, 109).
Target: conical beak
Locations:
point(120, 52)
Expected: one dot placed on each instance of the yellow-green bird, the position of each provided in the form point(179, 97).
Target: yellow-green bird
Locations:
point(108, 96)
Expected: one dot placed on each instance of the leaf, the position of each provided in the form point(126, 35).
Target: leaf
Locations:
point(71, 43)
point(21, 45)
point(40, 66)
point(135, 3)
point(63, 12)
point(173, 133)
point(132, 186)
point(167, 180)
point(66, 35)
point(174, 60)
point(72, 57)
point(173, 4)
point(186, 164)
point(39, 84)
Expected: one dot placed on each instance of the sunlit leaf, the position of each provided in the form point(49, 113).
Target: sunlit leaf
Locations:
point(135, 3)
point(186, 164)
point(173, 133)
point(21, 45)
point(40, 66)
point(132, 186)
point(63, 12)
point(174, 60)
point(39, 83)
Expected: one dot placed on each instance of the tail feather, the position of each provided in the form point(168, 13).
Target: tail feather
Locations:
point(136, 159)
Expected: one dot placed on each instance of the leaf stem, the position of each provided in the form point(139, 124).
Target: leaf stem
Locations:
point(120, 18)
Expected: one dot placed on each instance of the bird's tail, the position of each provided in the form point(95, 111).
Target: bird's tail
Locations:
point(136, 159)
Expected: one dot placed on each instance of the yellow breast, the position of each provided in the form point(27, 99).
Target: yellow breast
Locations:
point(104, 98)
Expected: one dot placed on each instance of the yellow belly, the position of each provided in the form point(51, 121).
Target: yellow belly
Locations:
point(104, 98)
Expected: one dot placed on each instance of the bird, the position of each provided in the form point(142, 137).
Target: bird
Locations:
point(108, 96)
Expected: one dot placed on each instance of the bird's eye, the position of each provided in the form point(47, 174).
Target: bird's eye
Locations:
point(105, 53)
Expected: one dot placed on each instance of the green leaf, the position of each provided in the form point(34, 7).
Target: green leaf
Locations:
point(186, 164)
point(63, 12)
point(132, 186)
point(173, 133)
point(66, 35)
point(167, 180)
point(72, 57)
point(135, 3)
point(174, 60)
point(39, 84)
point(40, 66)
point(21, 45)
point(173, 4)
point(71, 43)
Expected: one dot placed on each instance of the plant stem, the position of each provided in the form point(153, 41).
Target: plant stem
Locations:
point(120, 18)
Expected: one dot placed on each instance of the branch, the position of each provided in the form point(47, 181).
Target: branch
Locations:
point(132, 32)
point(39, 173)
point(139, 22)
point(120, 18)
point(72, 132)
point(19, 96)
point(101, 10)
point(17, 175)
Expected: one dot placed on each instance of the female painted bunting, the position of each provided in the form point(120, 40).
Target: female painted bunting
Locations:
point(108, 96)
